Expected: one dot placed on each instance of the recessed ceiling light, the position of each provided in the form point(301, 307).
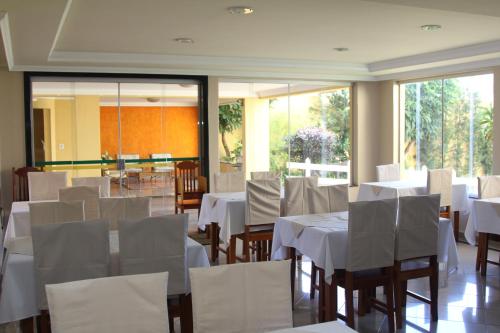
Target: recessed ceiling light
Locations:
point(340, 49)
point(240, 10)
point(153, 99)
point(184, 40)
point(430, 27)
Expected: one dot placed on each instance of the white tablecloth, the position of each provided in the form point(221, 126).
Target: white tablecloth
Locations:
point(327, 245)
point(18, 299)
point(19, 220)
point(329, 327)
point(394, 189)
point(484, 217)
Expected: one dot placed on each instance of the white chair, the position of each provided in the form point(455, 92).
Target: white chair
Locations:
point(388, 172)
point(439, 181)
point(102, 182)
point(88, 194)
point(72, 251)
point(328, 199)
point(296, 192)
point(121, 304)
point(370, 256)
point(162, 168)
point(114, 209)
point(229, 182)
point(262, 175)
point(416, 250)
point(46, 185)
point(262, 209)
point(488, 187)
point(246, 298)
point(56, 212)
point(131, 157)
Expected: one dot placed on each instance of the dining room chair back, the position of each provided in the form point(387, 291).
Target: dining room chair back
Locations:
point(46, 185)
point(225, 182)
point(296, 194)
point(488, 187)
point(71, 251)
point(20, 187)
point(104, 184)
point(153, 245)
point(118, 304)
point(56, 212)
point(371, 234)
point(250, 297)
point(115, 209)
point(439, 181)
point(88, 194)
point(262, 202)
point(388, 172)
point(261, 175)
point(328, 199)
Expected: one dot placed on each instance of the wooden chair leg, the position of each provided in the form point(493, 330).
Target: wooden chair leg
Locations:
point(404, 288)
point(434, 285)
point(231, 251)
point(214, 246)
point(26, 325)
point(349, 299)
point(321, 300)
point(44, 322)
point(186, 314)
point(389, 301)
point(398, 297)
point(263, 256)
point(363, 299)
point(246, 250)
point(484, 252)
point(456, 224)
point(478, 254)
point(258, 254)
point(314, 271)
point(293, 267)
point(333, 299)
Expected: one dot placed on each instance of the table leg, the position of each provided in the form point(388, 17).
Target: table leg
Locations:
point(483, 238)
point(321, 300)
point(214, 246)
point(231, 251)
point(26, 325)
point(293, 266)
point(456, 224)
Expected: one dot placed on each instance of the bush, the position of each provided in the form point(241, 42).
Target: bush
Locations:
point(312, 142)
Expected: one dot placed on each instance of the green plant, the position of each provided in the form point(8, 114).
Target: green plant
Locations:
point(230, 119)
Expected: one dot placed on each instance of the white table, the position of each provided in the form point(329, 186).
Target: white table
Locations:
point(18, 299)
point(326, 244)
point(484, 217)
point(329, 327)
point(19, 220)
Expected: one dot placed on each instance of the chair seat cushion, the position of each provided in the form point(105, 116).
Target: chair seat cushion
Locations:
point(414, 264)
point(189, 202)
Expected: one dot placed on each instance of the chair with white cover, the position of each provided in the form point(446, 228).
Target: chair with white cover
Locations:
point(388, 172)
point(88, 194)
point(250, 297)
point(134, 171)
point(488, 187)
point(56, 212)
point(261, 175)
point(416, 250)
point(370, 257)
point(229, 182)
point(46, 185)
point(158, 244)
point(326, 199)
point(115, 209)
point(296, 194)
point(124, 304)
point(102, 182)
point(65, 252)
point(440, 181)
point(262, 209)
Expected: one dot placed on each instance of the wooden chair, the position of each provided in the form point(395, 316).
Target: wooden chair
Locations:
point(488, 187)
point(20, 189)
point(416, 251)
point(370, 258)
point(189, 186)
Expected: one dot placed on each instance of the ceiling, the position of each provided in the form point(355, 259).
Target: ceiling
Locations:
point(288, 39)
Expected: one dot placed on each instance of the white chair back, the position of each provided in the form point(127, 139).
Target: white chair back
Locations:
point(229, 182)
point(371, 234)
point(88, 194)
point(417, 227)
point(118, 304)
point(262, 202)
point(250, 297)
point(296, 194)
point(56, 212)
point(104, 184)
point(439, 181)
point(65, 252)
point(46, 185)
point(156, 244)
point(162, 168)
point(262, 175)
point(488, 187)
point(388, 172)
point(328, 199)
point(115, 209)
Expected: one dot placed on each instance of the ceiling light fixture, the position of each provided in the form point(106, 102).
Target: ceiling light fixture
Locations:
point(153, 99)
point(340, 49)
point(430, 27)
point(184, 40)
point(240, 10)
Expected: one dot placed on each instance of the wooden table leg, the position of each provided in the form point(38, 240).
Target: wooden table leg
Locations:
point(231, 251)
point(293, 267)
point(214, 251)
point(321, 298)
point(26, 325)
point(456, 224)
point(483, 238)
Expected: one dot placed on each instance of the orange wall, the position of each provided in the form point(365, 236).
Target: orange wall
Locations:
point(150, 129)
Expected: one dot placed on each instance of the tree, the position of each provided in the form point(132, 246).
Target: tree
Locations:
point(311, 142)
point(230, 118)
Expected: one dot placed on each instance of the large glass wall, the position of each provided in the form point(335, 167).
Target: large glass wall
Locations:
point(298, 129)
